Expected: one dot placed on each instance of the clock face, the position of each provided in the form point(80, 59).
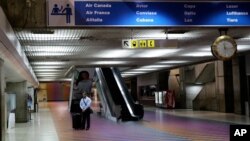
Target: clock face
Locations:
point(224, 47)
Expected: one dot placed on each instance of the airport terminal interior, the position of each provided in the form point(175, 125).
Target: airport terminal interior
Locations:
point(169, 70)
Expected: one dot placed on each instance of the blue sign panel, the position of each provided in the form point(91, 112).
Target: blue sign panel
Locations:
point(164, 14)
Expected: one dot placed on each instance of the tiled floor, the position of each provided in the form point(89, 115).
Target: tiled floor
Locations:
point(40, 128)
point(53, 123)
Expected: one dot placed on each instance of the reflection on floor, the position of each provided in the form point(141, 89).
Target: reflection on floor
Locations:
point(53, 123)
point(40, 128)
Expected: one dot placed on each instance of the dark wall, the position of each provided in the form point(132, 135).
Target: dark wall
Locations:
point(133, 88)
point(163, 80)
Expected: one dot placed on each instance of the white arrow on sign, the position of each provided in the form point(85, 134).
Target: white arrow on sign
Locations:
point(126, 43)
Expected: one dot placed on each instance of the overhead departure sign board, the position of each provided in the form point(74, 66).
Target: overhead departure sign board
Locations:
point(155, 14)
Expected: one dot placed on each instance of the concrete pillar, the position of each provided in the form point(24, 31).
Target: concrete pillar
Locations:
point(71, 89)
point(20, 89)
point(236, 87)
point(219, 85)
point(2, 103)
point(183, 98)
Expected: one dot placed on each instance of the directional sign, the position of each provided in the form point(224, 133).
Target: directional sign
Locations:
point(126, 43)
point(134, 43)
point(143, 43)
point(150, 43)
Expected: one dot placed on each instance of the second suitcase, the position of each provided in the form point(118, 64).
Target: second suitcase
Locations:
point(76, 120)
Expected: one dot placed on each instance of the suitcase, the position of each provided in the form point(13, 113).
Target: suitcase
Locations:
point(76, 114)
point(75, 106)
point(76, 120)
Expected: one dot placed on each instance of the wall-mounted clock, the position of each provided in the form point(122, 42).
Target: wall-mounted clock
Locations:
point(224, 47)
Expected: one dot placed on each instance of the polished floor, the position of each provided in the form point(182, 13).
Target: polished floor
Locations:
point(53, 123)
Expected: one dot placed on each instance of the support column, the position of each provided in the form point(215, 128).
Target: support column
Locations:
point(239, 84)
point(71, 89)
point(229, 91)
point(183, 97)
point(220, 86)
point(20, 89)
point(2, 103)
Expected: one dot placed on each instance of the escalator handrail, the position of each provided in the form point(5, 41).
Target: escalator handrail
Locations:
point(106, 97)
point(125, 94)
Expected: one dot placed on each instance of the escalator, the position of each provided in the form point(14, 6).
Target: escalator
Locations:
point(114, 95)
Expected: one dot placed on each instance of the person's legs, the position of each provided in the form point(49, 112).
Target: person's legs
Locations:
point(88, 121)
point(83, 120)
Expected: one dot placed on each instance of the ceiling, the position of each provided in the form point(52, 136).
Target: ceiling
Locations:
point(52, 51)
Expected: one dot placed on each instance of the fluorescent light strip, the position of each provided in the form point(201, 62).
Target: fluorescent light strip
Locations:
point(39, 77)
point(175, 36)
point(133, 72)
point(156, 52)
point(243, 47)
point(127, 74)
point(205, 49)
point(54, 48)
point(121, 53)
point(49, 67)
point(52, 53)
point(144, 69)
point(159, 35)
point(156, 66)
point(173, 62)
point(48, 63)
point(48, 73)
point(109, 62)
point(48, 70)
point(124, 75)
point(47, 37)
point(198, 54)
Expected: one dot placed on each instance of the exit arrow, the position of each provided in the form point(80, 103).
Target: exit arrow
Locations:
point(125, 43)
